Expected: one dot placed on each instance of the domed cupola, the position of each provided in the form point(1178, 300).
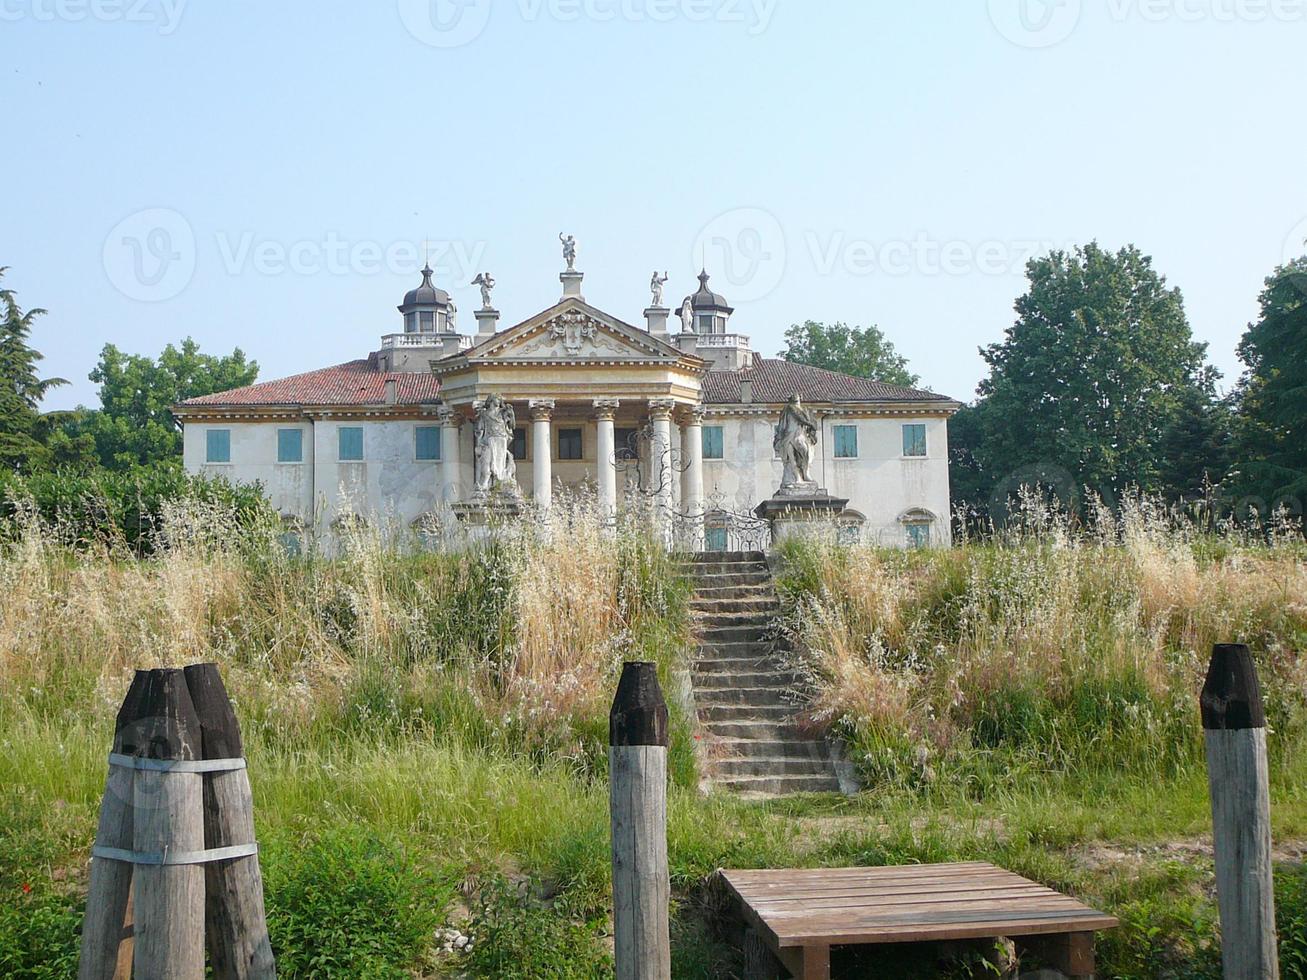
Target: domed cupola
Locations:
point(427, 309)
point(711, 311)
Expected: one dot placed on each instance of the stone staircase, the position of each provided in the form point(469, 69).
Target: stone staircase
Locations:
point(745, 698)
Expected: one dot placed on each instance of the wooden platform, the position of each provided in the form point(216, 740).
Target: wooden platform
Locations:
point(799, 915)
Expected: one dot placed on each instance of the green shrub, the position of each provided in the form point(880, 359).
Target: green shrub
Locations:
point(348, 903)
point(1291, 920)
point(39, 936)
point(515, 937)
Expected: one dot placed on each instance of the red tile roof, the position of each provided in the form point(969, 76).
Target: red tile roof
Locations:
point(775, 380)
point(354, 383)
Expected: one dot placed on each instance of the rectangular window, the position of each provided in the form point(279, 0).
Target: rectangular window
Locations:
point(428, 322)
point(351, 443)
point(290, 445)
point(217, 446)
point(518, 446)
point(846, 441)
point(428, 442)
point(914, 440)
point(713, 447)
point(919, 535)
point(569, 444)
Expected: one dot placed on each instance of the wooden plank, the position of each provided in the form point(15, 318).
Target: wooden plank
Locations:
point(875, 904)
point(803, 888)
point(1071, 953)
point(840, 930)
point(856, 896)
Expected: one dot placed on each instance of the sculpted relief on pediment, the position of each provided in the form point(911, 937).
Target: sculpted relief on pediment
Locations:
point(573, 335)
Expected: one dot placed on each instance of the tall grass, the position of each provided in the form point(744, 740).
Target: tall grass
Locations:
point(1049, 649)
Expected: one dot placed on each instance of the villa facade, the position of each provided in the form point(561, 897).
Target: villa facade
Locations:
point(684, 419)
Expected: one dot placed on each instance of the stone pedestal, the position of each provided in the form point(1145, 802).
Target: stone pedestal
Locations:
point(571, 281)
point(656, 318)
point(487, 323)
point(806, 511)
point(481, 517)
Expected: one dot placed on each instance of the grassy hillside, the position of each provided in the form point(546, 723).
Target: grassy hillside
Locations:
point(426, 732)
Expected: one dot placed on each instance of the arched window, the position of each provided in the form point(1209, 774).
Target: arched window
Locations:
point(918, 527)
point(848, 527)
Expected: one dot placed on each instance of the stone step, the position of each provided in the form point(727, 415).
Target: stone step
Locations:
point(764, 765)
point(786, 680)
point(776, 695)
point(709, 557)
point(718, 636)
point(714, 569)
point(778, 785)
point(711, 619)
point(748, 712)
point(758, 590)
point(770, 748)
point(761, 605)
point(761, 731)
point(732, 580)
point(760, 663)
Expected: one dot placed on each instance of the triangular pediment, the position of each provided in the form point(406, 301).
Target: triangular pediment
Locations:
point(573, 331)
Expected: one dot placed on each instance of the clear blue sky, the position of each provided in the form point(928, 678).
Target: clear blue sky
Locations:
point(872, 162)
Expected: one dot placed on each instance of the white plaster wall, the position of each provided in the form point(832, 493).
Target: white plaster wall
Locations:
point(881, 483)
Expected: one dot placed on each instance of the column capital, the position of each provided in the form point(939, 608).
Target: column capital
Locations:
point(693, 415)
point(606, 408)
point(542, 409)
point(660, 409)
point(450, 417)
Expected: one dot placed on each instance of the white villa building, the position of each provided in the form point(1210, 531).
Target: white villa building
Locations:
point(684, 418)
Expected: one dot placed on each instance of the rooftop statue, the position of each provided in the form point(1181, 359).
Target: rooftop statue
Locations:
point(687, 316)
point(487, 282)
point(656, 287)
point(569, 251)
point(796, 437)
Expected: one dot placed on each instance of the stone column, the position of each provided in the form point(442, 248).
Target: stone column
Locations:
point(606, 457)
point(660, 455)
point(692, 482)
point(451, 426)
point(542, 413)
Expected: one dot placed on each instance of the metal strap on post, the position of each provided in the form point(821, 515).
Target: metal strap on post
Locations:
point(175, 765)
point(170, 858)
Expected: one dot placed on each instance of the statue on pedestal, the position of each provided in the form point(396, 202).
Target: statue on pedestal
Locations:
point(687, 316)
point(493, 437)
point(569, 251)
point(796, 437)
point(656, 287)
point(487, 282)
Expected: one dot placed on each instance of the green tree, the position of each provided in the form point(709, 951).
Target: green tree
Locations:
point(1092, 378)
point(1272, 394)
point(134, 424)
point(863, 353)
point(21, 389)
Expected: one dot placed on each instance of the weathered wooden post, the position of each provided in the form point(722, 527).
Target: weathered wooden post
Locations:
point(176, 827)
point(235, 926)
point(107, 931)
point(637, 764)
point(1234, 722)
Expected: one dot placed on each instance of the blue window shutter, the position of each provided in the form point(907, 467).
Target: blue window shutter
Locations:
point(713, 443)
point(217, 446)
point(428, 442)
point(846, 442)
point(914, 439)
point(290, 445)
point(351, 443)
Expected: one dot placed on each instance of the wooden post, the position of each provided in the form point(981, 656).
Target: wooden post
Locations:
point(236, 928)
point(106, 931)
point(1235, 725)
point(637, 763)
point(168, 821)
